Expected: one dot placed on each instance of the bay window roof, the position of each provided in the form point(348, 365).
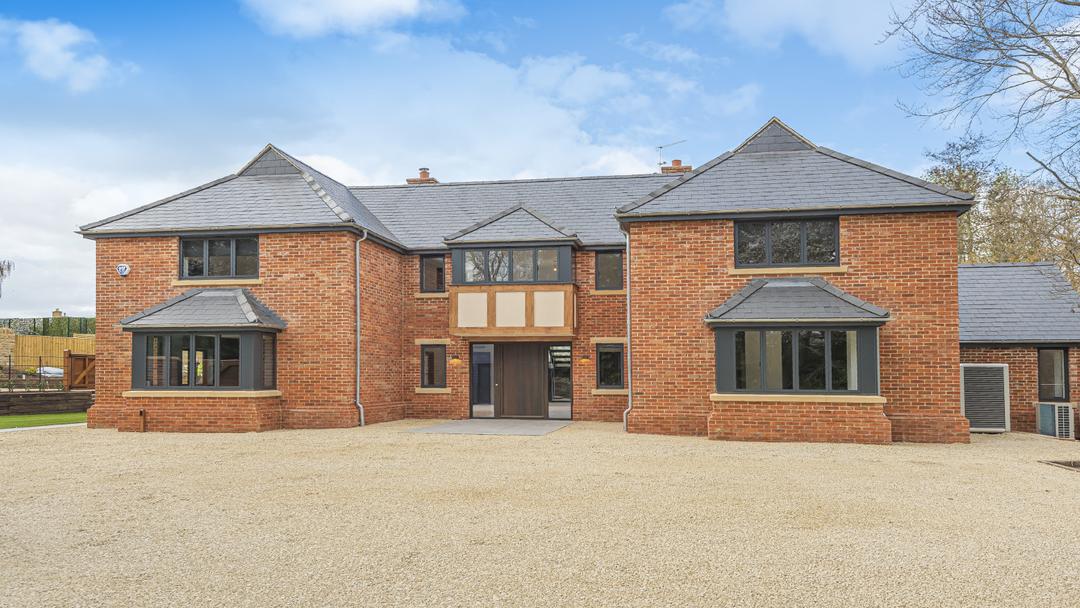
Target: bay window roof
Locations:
point(219, 308)
point(515, 224)
point(795, 300)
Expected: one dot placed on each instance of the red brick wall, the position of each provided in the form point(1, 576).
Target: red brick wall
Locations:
point(427, 318)
point(201, 415)
point(307, 279)
point(381, 332)
point(787, 421)
point(1023, 362)
point(905, 263)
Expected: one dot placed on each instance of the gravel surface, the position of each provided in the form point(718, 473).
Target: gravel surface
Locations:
point(585, 516)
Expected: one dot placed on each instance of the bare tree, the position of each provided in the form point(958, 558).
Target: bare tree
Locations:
point(6, 266)
point(1016, 62)
point(1014, 219)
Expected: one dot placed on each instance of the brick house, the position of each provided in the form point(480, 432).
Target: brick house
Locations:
point(782, 291)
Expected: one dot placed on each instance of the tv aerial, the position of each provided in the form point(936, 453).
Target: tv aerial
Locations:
point(660, 152)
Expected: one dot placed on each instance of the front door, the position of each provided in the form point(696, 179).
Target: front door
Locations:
point(520, 380)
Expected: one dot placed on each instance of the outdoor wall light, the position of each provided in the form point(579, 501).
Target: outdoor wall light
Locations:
point(584, 360)
point(455, 360)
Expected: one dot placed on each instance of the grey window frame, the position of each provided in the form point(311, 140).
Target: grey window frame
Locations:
point(232, 257)
point(565, 258)
point(1038, 380)
point(440, 356)
point(435, 256)
point(802, 242)
point(867, 353)
point(596, 269)
point(251, 359)
point(612, 347)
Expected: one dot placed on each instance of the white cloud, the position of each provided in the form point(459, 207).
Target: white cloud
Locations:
point(304, 18)
point(850, 29)
point(568, 79)
point(671, 53)
point(736, 101)
point(58, 51)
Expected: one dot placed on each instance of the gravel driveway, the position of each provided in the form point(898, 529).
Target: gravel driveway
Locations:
point(586, 516)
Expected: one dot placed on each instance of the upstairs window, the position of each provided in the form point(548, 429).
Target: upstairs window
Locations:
point(609, 270)
point(432, 273)
point(1053, 374)
point(512, 265)
point(788, 243)
point(219, 258)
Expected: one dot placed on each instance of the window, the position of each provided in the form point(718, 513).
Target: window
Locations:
point(512, 265)
point(213, 258)
point(433, 366)
point(560, 382)
point(432, 273)
point(795, 359)
point(787, 243)
point(1053, 374)
point(204, 361)
point(609, 270)
point(609, 366)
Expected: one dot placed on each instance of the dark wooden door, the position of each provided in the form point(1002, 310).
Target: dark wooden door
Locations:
point(520, 386)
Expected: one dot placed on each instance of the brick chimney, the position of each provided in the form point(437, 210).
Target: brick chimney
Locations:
point(676, 166)
point(425, 178)
point(57, 313)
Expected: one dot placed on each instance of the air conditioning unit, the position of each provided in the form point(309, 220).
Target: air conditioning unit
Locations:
point(1055, 420)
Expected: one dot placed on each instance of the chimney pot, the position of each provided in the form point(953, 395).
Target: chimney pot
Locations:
point(425, 177)
point(676, 166)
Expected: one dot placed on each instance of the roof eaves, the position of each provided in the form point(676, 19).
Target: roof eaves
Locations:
point(91, 226)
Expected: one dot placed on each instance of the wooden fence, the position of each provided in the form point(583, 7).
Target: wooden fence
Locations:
point(50, 348)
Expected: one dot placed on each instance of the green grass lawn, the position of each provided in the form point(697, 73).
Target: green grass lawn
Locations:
point(24, 420)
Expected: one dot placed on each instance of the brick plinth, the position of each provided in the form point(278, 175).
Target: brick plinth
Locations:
point(788, 421)
point(200, 415)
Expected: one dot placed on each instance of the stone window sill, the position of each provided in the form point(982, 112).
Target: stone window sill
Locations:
point(794, 398)
point(427, 341)
point(214, 282)
point(610, 391)
point(435, 295)
point(432, 391)
point(609, 292)
point(607, 340)
point(789, 270)
point(198, 394)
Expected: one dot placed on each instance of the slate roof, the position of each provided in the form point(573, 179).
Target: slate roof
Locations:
point(273, 190)
point(583, 205)
point(795, 300)
point(1018, 303)
point(776, 169)
point(207, 308)
point(518, 223)
point(779, 170)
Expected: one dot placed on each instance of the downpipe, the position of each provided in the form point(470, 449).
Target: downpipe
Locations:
point(356, 398)
point(629, 350)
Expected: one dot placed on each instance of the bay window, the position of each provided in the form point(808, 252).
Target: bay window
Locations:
point(796, 359)
point(512, 265)
point(203, 360)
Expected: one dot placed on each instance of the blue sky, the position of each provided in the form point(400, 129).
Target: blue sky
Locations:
point(104, 107)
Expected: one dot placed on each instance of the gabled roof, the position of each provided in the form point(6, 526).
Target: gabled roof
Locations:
point(222, 308)
point(420, 216)
point(272, 190)
point(795, 300)
point(1018, 303)
point(518, 223)
point(778, 170)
